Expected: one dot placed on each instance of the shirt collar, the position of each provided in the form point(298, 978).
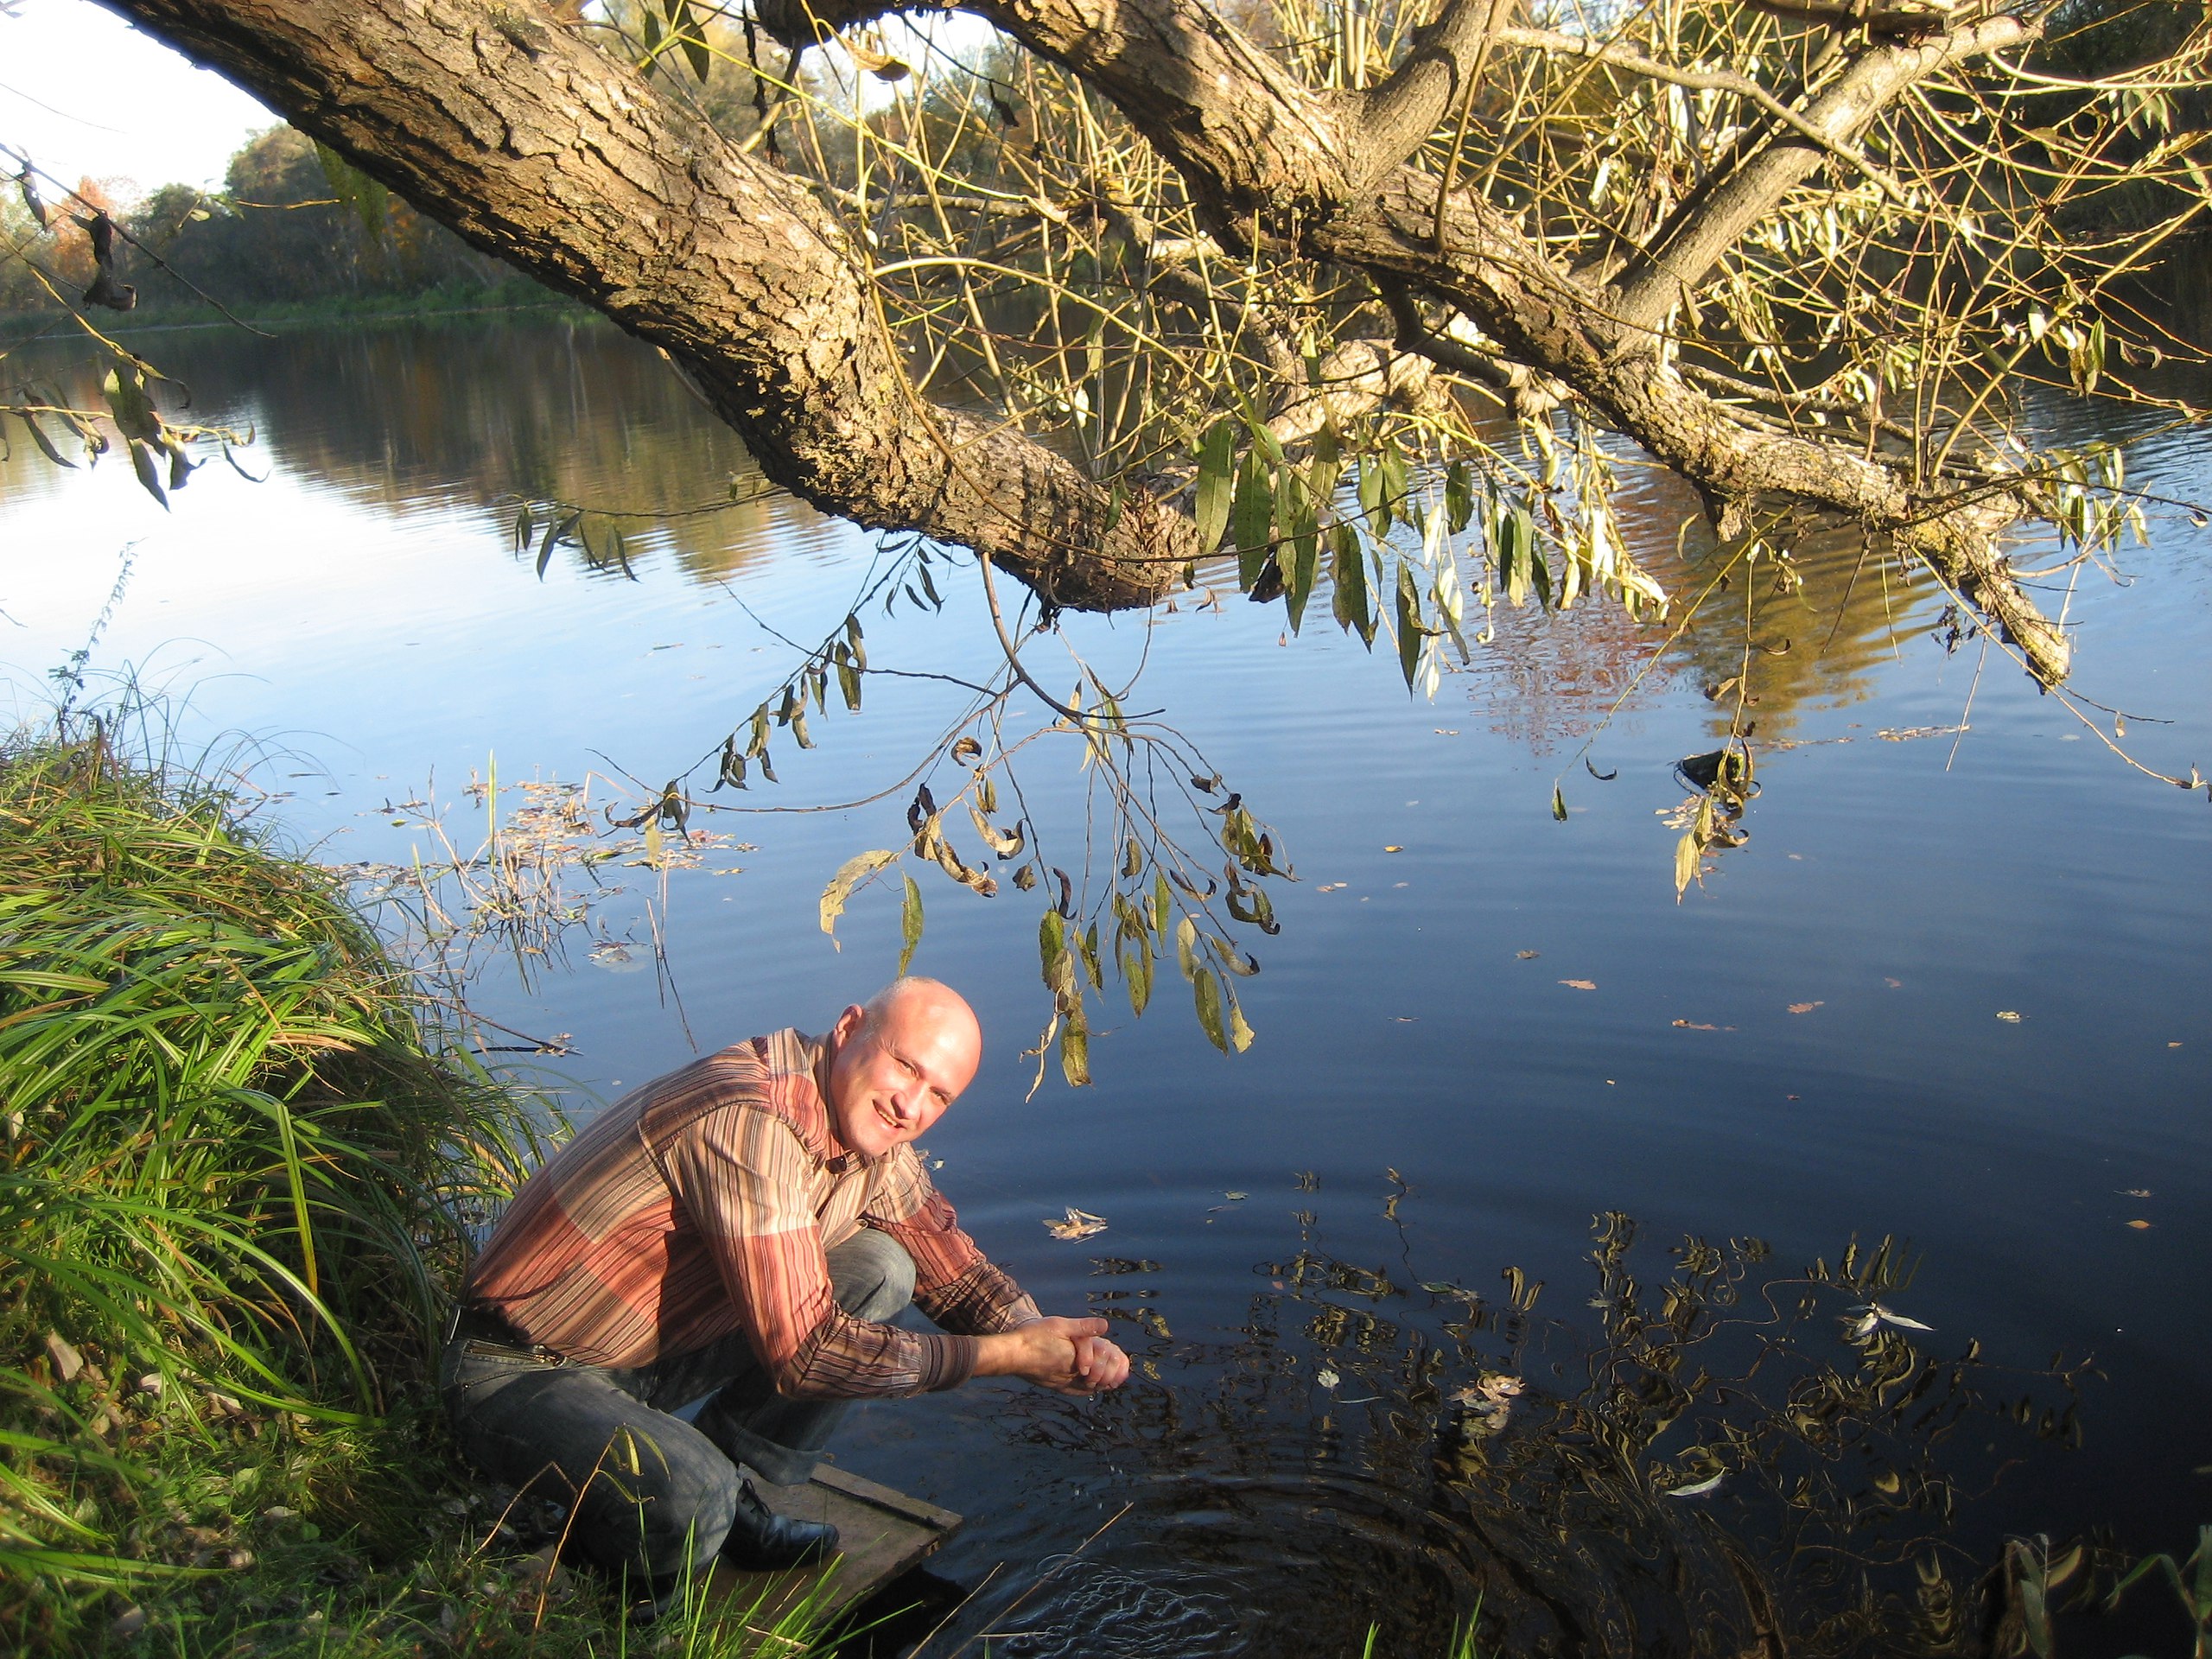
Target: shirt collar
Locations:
point(837, 1158)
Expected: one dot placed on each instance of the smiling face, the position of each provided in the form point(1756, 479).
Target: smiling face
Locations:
point(897, 1064)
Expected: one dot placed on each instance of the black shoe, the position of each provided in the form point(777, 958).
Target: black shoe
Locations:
point(760, 1539)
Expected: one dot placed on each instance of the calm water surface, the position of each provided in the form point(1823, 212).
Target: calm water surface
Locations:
point(1433, 1098)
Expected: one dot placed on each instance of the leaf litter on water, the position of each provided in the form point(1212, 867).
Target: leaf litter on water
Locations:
point(1080, 1224)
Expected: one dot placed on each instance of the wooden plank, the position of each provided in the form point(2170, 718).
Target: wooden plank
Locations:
point(880, 1533)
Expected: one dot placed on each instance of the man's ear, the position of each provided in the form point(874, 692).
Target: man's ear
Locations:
point(849, 1022)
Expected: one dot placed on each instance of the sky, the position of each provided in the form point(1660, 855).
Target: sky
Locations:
point(88, 95)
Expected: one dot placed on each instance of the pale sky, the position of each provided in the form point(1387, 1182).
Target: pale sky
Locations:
point(86, 94)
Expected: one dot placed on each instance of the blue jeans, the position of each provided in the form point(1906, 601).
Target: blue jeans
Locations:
point(651, 1493)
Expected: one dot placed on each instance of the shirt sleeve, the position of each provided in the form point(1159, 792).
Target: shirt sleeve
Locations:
point(741, 1176)
point(954, 1284)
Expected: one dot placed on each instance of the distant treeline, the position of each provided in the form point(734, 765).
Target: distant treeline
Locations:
point(292, 227)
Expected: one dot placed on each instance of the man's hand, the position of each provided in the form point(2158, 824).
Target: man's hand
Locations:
point(1071, 1355)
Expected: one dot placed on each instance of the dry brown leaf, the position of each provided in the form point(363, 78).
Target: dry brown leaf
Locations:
point(1804, 1008)
point(1695, 1024)
point(2139, 1225)
point(1080, 1224)
point(1580, 984)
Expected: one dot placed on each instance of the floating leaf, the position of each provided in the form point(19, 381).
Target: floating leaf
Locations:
point(1580, 984)
point(2009, 1016)
point(1693, 1490)
point(1080, 1224)
point(854, 871)
point(1805, 1007)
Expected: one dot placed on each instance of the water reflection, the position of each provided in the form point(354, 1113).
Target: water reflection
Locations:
point(1736, 1460)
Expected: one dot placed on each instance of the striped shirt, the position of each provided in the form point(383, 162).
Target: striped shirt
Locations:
point(702, 1205)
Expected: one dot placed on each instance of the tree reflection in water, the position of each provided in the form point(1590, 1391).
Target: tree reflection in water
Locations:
point(1736, 1460)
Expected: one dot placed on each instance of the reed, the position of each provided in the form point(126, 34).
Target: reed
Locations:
point(241, 1157)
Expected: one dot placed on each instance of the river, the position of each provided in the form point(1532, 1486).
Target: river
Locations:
point(1953, 991)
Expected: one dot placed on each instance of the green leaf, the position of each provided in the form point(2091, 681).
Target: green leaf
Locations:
point(1539, 572)
point(1057, 965)
point(910, 925)
point(1372, 502)
point(1087, 942)
point(1559, 804)
point(1136, 973)
point(1252, 517)
point(1684, 863)
point(1207, 994)
point(854, 871)
point(1075, 1052)
point(1162, 902)
point(1300, 558)
point(1353, 605)
point(1458, 496)
point(44, 443)
point(1216, 452)
point(124, 388)
point(1410, 628)
point(142, 462)
point(1186, 948)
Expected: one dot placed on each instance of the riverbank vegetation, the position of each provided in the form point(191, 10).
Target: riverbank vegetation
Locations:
point(294, 235)
point(238, 1163)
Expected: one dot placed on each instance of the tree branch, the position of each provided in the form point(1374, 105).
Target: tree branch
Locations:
point(1679, 257)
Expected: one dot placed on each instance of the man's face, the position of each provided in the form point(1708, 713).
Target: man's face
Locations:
point(892, 1077)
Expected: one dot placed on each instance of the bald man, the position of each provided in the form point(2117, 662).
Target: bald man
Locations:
point(740, 1233)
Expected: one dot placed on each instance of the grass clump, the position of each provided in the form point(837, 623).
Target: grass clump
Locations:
point(239, 1165)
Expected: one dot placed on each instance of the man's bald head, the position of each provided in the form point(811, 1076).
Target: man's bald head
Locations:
point(899, 1060)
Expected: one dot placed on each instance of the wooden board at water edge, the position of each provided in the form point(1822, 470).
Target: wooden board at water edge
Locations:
point(880, 1533)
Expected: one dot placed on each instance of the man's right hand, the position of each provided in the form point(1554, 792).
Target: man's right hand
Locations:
point(1070, 1355)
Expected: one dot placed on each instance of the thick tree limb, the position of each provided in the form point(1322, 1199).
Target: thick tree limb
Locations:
point(538, 147)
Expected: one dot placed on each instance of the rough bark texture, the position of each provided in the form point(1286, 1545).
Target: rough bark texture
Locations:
point(538, 147)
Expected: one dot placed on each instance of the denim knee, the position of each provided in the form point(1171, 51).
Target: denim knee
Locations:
point(871, 1275)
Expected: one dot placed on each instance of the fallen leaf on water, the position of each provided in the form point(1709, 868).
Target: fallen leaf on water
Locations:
point(1804, 1008)
point(1080, 1224)
point(1696, 1488)
point(1531, 955)
point(1580, 984)
point(2008, 1016)
point(1234, 1197)
point(1332, 887)
point(2139, 1225)
point(1891, 984)
point(1326, 1378)
point(1695, 1024)
point(1394, 849)
point(1873, 1314)
point(2134, 1191)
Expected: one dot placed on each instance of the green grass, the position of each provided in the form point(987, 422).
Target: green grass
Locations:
point(237, 1169)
